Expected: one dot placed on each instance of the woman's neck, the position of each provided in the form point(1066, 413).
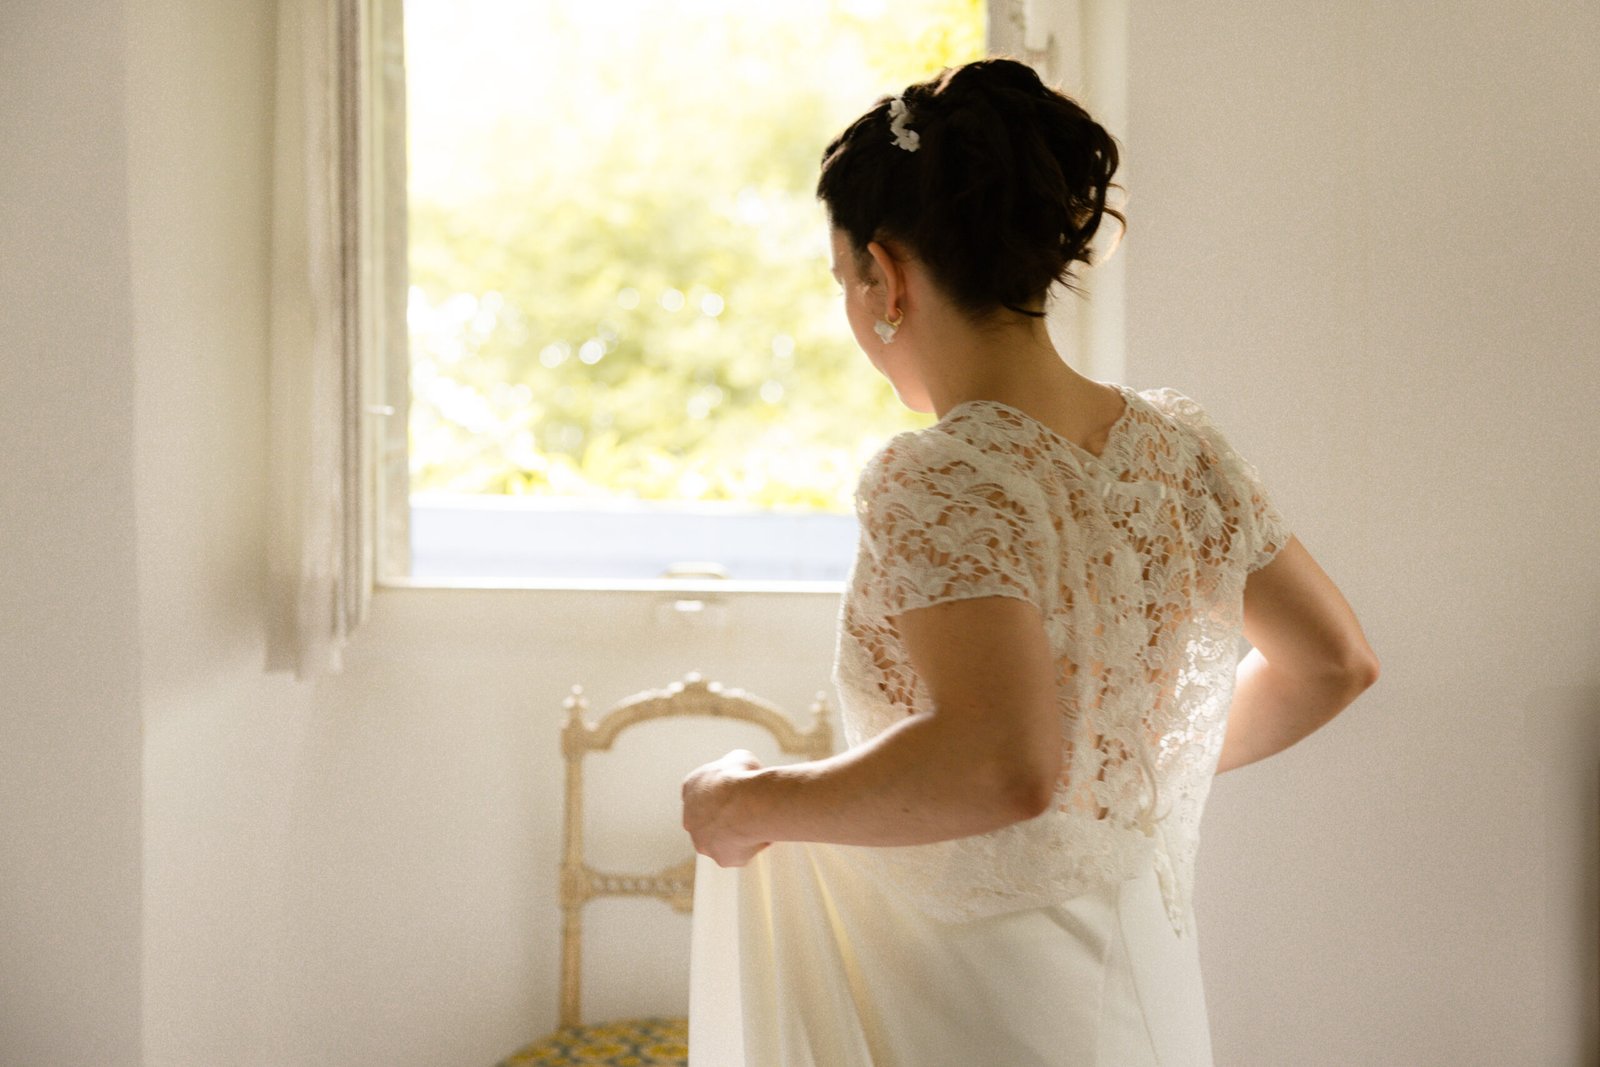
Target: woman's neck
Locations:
point(1014, 364)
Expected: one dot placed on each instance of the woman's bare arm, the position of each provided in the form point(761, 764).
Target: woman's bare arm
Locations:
point(986, 752)
point(1309, 659)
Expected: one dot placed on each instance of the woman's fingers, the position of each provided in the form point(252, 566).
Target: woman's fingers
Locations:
point(705, 808)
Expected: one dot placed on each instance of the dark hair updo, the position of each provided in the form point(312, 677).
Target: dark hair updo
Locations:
point(1002, 195)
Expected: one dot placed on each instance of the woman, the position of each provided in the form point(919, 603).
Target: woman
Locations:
point(1036, 651)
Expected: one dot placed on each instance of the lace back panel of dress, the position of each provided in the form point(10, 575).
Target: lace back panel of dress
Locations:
point(1139, 570)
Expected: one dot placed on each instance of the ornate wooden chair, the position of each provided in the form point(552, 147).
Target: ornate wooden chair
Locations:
point(650, 1041)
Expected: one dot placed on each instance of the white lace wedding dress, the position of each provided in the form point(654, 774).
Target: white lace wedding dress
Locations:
point(1068, 938)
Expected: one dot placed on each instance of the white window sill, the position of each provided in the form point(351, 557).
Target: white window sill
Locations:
point(685, 587)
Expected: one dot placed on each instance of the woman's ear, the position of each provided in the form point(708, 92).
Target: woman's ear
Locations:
point(894, 278)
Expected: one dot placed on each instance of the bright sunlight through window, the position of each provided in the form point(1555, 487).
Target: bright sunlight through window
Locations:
point(628, 358)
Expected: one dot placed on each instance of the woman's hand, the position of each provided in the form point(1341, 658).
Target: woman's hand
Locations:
point(709, 813)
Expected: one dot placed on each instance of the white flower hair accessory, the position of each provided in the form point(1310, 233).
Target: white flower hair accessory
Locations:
point(899, 115)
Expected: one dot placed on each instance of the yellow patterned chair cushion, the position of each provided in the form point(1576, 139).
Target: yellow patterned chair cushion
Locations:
point(649, 1042)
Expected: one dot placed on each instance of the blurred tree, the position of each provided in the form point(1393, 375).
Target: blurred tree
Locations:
point(620, 278)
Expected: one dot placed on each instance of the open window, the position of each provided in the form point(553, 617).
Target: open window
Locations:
point(627, 358)
point(551, 298)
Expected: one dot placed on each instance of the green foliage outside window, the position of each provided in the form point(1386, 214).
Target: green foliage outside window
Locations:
point(619, 270)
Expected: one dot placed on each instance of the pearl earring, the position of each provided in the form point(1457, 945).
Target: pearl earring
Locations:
point(886, 329)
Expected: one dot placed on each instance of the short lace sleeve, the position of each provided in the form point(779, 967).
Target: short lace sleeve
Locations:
point(1268, 529)
point(943, 520)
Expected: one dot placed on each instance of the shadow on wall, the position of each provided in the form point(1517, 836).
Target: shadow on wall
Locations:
point(1562, 733)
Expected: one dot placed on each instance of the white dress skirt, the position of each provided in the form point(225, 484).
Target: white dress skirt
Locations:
point(801, 959)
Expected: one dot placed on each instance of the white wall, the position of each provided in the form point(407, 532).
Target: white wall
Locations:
point(1361, 235)
point(69, 666)
point(1365, 234)
point(224, 743)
